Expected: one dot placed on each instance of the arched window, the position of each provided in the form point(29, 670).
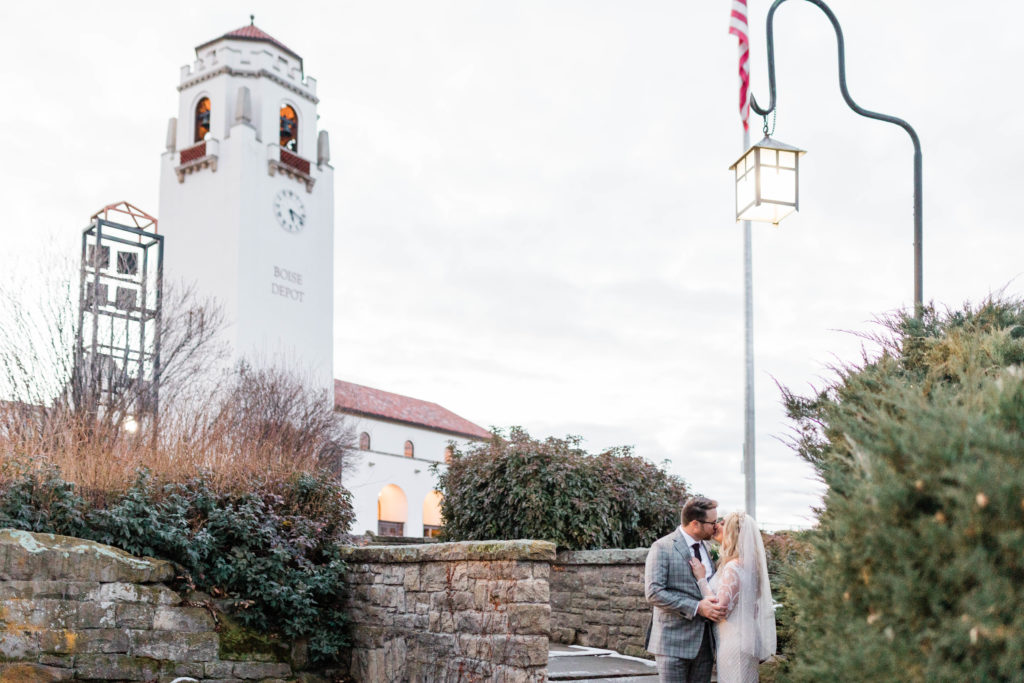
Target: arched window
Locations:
point(289, 129)
point(392, 510)
point(202, 119)
point(432, 515)
point(408, 449)
point(364, 442)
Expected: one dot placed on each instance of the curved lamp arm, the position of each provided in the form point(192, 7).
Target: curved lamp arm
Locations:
point(918, 223)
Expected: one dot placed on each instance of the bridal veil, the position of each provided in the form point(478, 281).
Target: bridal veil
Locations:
point(755, 606)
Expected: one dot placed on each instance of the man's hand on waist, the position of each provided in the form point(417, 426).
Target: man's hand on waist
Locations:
point(711, 610)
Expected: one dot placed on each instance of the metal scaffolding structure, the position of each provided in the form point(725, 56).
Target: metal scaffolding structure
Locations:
point(117, 353)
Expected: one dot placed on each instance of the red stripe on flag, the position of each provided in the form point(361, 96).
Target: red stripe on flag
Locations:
point(738, 28)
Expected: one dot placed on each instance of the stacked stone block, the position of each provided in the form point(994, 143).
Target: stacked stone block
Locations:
point(597, 600)
point(471, 611)
point(74, 609)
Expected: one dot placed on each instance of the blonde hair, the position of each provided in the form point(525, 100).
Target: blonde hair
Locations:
point(730, 538)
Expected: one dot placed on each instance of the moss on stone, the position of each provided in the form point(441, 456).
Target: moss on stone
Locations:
point(30, 673)
point(240, 643)
point(525, 550)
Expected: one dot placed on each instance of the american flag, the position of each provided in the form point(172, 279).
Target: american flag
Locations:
point(738, 27)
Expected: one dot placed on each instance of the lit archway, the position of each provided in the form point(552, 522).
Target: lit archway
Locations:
point(432, 514)
point(392, 511)
point(202, 126)
point(289, 128)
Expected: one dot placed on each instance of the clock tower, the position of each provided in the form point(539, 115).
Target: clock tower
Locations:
point(247, 201)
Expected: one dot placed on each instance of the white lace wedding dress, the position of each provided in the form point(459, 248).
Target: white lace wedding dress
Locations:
point(747, 635)
point(734, 665)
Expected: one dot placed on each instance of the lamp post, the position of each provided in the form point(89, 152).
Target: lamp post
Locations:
point(918, 223)
point(767, 189)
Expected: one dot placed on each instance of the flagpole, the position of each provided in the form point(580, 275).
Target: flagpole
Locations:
point(738, 27)
point(750, 495)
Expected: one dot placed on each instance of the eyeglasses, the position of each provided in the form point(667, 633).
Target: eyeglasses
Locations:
point(712, 521)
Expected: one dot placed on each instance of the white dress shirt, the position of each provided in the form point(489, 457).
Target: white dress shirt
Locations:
point(705, 556)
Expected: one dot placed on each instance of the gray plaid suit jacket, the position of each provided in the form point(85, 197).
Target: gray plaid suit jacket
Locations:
point(670, 587)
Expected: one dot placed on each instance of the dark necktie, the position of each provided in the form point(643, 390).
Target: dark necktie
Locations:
point(696, 552)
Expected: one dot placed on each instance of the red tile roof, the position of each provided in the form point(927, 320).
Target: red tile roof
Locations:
point(359, 400)
point(252, 32)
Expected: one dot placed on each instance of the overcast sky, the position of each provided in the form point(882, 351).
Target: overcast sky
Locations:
point(533, 209)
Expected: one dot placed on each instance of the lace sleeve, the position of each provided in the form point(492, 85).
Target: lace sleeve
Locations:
point(729, 588)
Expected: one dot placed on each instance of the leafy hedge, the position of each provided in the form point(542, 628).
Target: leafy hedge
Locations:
point(787, 552)
point(520, 487)
point(918, 565)
point(273, 553)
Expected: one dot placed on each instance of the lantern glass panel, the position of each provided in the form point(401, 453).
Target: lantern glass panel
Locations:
point(746, 175)
point(778, 185)
point(745, 191)
point(787, 159)
point(766, 212)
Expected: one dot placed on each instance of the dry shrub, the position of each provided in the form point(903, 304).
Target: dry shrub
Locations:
point(264, 423)
point(235, 424)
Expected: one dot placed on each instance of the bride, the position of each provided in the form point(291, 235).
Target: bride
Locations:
point(747, 635)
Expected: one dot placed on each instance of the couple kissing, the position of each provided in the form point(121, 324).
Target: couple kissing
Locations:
point(708, 613)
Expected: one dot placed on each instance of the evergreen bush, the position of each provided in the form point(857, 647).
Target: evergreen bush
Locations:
point(520, 487)
point(273, 554)
point(787, 552)
point(918, 562)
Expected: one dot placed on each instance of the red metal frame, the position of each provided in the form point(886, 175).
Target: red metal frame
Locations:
point(139, 218)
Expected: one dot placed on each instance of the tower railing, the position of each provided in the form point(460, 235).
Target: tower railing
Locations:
point(295, 161)
point(290, 164)
point(197, 157)
point(192, 153)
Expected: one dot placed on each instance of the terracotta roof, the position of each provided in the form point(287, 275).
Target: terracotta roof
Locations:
point(359, 400)
point(252, 32)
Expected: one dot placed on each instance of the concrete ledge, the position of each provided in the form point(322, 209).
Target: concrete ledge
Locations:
point(628, 556)
point(484, 551)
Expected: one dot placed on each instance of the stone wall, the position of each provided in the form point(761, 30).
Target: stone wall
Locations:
point(74, 609)
point(433, 613)
point(597, 599)
point(471, 611)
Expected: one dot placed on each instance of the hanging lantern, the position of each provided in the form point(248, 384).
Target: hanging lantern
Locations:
point(767, 182)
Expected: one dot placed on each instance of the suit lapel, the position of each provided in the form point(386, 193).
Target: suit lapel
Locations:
point(686, 553)
point(680, 545)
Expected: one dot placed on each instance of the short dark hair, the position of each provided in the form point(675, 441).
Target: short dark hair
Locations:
point(697, 508)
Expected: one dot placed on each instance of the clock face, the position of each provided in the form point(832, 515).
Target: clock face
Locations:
point(289, 210)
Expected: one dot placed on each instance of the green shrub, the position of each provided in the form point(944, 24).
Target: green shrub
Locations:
point(38, 500)
point(918, 563)
point(787, 552)
point(520, 487)
point(273, 553)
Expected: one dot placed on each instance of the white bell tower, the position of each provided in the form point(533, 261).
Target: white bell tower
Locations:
point(247, 201)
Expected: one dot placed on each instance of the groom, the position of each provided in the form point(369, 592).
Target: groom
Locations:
point(682, 640)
